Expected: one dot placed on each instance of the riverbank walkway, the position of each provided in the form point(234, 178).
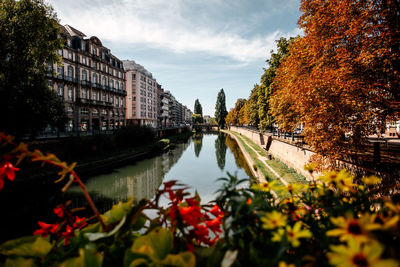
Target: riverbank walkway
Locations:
point(265, 167)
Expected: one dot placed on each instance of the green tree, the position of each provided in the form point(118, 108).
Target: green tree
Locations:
point(252, 106)
point(28, 39)
point(265, 89)
point(197, 112)
point(220, 109)
point(198, 108)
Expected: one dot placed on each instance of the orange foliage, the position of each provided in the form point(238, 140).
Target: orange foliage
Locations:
point(342, 78)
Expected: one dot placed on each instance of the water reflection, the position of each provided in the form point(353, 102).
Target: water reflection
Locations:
point(239, 158)
point(198, 144)
point(220, 150)
point(140, 180)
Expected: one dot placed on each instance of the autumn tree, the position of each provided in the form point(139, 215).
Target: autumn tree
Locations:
point(265, 89)
point(220, 109)
point(28, 39)
point(342, 78)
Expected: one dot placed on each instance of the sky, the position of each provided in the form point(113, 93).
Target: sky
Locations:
point(193, 48)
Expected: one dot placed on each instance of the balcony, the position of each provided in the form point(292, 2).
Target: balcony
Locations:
point(83, 101)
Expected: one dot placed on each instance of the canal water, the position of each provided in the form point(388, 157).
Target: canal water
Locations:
point(198, 163)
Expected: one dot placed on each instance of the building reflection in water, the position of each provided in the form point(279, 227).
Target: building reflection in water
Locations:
point(140, 180)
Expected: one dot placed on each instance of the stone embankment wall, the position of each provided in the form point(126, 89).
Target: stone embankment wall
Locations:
point(290, 154)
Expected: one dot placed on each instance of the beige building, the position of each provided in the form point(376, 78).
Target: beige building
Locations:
point(142, 103)
point(91, 82)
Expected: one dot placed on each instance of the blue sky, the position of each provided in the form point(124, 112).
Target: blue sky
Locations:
point(193, 47)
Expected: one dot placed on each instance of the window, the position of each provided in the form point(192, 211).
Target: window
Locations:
point(84, 60)
point(60, 90)
point(69, 55)
point(133, 76)
point(134, 98)
point(95, 112)
point(94, 51)
point(117, 85)
point(70, 72)
point(83, 46)
point(104, 81)
point(95, 95)
point(94, 78)
point(84, 93)
point(112, 83)
point(103, 97)
point(60, 52)
point(84, 111)
point(50, 83)
point(84, 75)
point(70, 93)
point(60, 71)
point(104, 68)
point(70, 109)
point(69, 42)
point(121, 102)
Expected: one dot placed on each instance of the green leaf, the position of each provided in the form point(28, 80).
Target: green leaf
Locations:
point(19, 262)
point(117, 212)
point(97, 236)
point(186, 259)
point(33, 246)
point(139, 262)
point(87, 258)
point(156, 245)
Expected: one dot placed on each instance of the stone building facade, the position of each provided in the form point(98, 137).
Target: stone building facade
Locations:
point(91, 82)
point(142, 102)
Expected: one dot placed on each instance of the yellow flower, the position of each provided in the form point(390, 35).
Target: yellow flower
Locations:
point(292, 234)
point(350, 227)
point(310, 167)
point(265, 187)
point(273, 220)
point(284, 264)
point(357, 254)
point(342, 180)
point(386, 222)
point(393, 207)
point(371, 180)
point(293, 188)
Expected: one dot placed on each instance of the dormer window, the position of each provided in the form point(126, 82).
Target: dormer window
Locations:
point(69, 42)
point(83, 46)
point(94, 51)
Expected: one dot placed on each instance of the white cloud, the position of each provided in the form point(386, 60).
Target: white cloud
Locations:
point(165, 24)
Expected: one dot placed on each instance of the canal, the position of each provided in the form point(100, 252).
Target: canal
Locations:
point(198, 163)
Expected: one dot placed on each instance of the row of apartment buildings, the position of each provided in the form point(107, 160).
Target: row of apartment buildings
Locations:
point(102, 92)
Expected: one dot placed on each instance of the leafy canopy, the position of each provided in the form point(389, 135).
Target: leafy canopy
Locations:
point(28, 39)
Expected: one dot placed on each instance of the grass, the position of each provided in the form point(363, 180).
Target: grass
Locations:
point(286, 173)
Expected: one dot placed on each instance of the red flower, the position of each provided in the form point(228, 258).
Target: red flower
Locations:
point(79, 222)
point(216, 211)
point(59, 211)
point(191, 215)
point(215, 225)
point(7, 170)
point(69, 232)
point(46, 229)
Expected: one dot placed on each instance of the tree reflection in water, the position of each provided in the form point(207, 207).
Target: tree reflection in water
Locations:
point(198, 143)
point(239, 158)
point(220, 150)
